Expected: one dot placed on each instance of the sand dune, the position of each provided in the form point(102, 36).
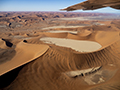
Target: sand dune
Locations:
point(48, 71)
point(36, 65)
point(24, 54)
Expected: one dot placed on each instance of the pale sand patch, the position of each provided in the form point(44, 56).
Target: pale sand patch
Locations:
point(90, 18)
point(53, 27)
point(111, 64)
point(58, 31)
point(77, 45)
point(20, 37)
point(24, 53)
point(76, 18)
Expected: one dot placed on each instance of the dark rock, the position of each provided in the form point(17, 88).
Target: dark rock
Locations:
point(75, 76)
point(43, 19)
point(25, 41)
point(10, 24)
point(39, 15)
point(19, 17)
point(9, 44)
point(82, 74)
point(57, 16)
point(25, 20)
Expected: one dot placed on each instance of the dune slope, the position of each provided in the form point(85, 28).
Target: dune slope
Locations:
point(24, 53)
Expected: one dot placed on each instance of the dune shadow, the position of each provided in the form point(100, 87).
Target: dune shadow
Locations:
point(9, 77)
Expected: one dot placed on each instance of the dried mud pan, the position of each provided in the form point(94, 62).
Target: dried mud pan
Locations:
point(63, 31)
point(77, 45)
point(24, 53)
point(89, 18)
point(62, 27)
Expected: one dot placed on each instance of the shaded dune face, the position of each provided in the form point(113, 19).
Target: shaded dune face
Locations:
point(48, 72)
point(6, 51)
point(9, 77)
point(6, 55)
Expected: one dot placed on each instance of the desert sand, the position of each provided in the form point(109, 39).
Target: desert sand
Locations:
point(29, 63)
